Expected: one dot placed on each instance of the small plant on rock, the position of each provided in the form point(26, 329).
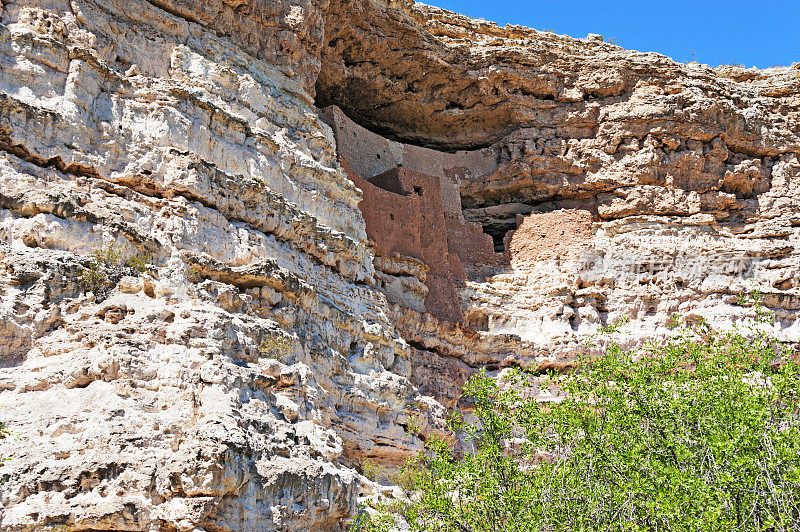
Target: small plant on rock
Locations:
point(615, 326)
point(372, 470)
point(92, 278)
point(4, 432)
point(107, 265)
point(275, 345)
point(195, 274)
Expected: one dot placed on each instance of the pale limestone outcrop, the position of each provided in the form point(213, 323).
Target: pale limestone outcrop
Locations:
point(236, 380)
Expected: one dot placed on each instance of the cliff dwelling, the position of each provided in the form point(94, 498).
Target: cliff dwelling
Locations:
point(411, 198)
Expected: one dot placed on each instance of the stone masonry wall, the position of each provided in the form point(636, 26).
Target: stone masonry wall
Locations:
point(404, 217)
point(411, 199)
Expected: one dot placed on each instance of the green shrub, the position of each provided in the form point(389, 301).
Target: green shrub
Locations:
point(382, 522)
point(92, 278)
point(138, 263)
point(700, 431)
point(108, 264)
point(113, 255)
point(372, 470)
point(616, 325)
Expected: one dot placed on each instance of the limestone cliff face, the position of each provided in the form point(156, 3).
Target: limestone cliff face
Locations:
point(234, 382)
point(203, 324)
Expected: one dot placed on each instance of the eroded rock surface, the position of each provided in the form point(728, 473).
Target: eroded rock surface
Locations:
point(196, 329)
point(236, 382)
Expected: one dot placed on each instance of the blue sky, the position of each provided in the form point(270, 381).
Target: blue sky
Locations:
point(760, 33)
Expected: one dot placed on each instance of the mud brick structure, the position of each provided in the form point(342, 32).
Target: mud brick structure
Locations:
point(407, 211)
point(552, 235)
point(405, 218)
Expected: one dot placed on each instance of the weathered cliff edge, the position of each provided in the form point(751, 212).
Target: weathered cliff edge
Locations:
point(269, 346)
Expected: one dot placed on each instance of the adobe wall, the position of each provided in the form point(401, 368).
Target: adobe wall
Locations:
point(414, 210)
point(417, 213)
point(473, 247)
point(404, 217)
point(548, 236)
point(393, 220)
